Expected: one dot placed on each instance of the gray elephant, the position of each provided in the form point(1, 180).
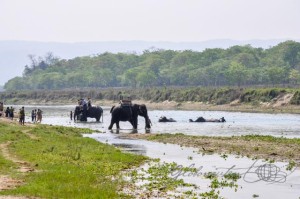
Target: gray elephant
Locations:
point(92, 112)
point(201, 119)
point(129, 113)
point(165, 119)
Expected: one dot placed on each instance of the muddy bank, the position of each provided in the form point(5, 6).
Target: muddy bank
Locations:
point(172, 105)
point(253, 146)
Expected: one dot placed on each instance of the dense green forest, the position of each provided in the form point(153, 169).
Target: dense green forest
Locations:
point(235, 66)
point(214, 96)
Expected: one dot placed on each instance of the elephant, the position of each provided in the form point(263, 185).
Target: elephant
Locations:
point(201, 119)
point(93, 112)
point(129, 113)
point(165, 119)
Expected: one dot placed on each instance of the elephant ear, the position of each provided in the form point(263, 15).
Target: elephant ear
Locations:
point(140, 109)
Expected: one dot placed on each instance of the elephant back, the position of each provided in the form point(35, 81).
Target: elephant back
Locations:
point(96, 109)
point(112, 108)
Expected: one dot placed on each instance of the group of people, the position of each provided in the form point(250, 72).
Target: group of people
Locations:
point(9, 112)
point(36, 115)
point(82, 102)
point(84, 107)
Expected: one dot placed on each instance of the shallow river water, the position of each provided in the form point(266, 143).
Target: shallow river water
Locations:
point(259, 178)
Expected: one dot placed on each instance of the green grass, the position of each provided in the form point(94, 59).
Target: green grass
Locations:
point(6, 166)
point(67, 165)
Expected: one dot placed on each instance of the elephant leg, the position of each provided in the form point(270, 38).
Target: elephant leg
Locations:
point(131, 122)
point(135, 123)
point(118, 124)
point(111, 124)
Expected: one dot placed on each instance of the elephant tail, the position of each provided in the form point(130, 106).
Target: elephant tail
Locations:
point(112, 108)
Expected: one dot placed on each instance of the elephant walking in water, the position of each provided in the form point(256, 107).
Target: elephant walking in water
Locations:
point(93, 112)
point(129, 113)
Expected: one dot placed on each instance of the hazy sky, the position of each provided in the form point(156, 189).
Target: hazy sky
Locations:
point(149, 20)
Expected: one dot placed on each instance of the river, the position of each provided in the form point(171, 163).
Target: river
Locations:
point(274, 182)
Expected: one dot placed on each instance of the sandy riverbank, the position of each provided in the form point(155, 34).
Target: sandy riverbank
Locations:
point(281, 106)
point(199, 106)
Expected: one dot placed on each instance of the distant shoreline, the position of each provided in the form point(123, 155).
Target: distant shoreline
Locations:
point(172, 105)
point(258, 100)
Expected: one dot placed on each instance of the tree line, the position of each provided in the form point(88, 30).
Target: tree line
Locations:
point(234, 66)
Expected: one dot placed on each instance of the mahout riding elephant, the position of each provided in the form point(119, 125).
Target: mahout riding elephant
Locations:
point(201, 119)
point(165, 119)
point(92, 112)
point(129, 113)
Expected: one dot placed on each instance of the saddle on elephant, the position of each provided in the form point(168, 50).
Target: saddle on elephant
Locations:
point(125, 101)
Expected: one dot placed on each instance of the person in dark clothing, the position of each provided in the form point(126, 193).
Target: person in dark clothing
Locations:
point(11, 112)
point(22, 116)
point(7, 112)
point(33, 115)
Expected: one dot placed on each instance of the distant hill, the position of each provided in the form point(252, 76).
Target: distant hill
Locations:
point(14, 54)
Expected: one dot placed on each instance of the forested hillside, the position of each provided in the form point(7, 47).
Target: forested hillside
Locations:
point(236, 66)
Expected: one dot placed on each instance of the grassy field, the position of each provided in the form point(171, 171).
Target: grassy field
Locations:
point(60, 163)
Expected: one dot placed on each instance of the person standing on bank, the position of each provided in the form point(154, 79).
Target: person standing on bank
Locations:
point(22, 116)
point(7, 112)
point(33, 116)
point(11, 113)
point(39, 115)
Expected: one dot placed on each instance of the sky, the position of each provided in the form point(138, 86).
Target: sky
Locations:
point(148, 20)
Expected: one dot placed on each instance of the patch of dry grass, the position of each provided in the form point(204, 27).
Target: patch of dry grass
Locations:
point(254, 146)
